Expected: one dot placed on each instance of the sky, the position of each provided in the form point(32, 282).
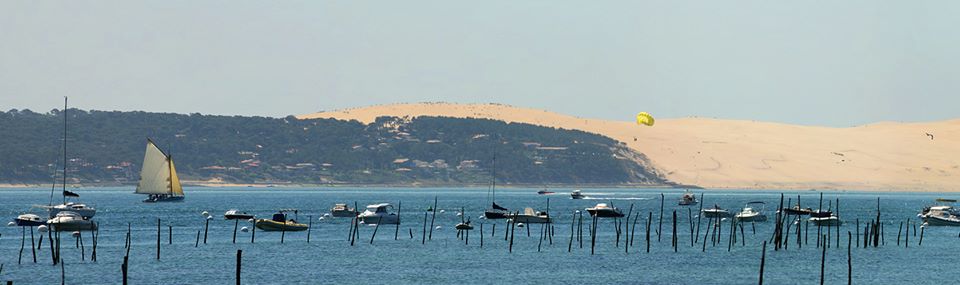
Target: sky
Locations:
point(832, 63)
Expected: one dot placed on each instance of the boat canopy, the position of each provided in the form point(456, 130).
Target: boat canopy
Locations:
point(382, 207)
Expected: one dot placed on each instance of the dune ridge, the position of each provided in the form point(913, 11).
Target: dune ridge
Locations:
point(717, 153)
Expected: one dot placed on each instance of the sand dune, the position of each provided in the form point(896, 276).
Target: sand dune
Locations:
point(746, 154)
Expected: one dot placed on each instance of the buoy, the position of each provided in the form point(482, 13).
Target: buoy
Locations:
point(362, 222)
point(482, 217)
point(326, 215)
point(252, 220)
point(459, 214)
point(10, 224)
point(578, 211)
point(42, 228)
point(442, 211)
point(209, 217)
point(439, 227)
point(75, 234)
point(321, 218)
point(205, 214)
point(244, 229)
point(519, 225)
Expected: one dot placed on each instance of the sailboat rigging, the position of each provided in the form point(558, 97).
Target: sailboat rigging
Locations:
point(495, 211)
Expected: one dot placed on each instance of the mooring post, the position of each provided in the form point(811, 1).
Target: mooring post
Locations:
point(169, 234)
point(396, 231)
point(593, 235)
point(239, 262)
point(849, 260)
point(823, 262)
point(660, 227)
point(377, 227)
point(206, 227)
point(573, 223)
point(123, 268)
point(158, 238)
point(900, 231)
point(236, 223)
point(433, 218)
point(198, 239)
point(763, 258)
point(649, 220)
point(33, 247)
point(424, 235)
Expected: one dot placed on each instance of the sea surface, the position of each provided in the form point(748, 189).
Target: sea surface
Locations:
point(444, 259)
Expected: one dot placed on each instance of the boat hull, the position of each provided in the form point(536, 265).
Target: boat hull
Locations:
point(751, 218)
point(274, 226)
point(605, 213)
point(164, 199)
point(343, 214)
point(238, 217)
point(710, 213)
point(531, 219)
point(826, 222)
point(495, 215)
point(952, 221)
point(29, 220)
point(795, 212)
point(71, 225)
point(390, 219)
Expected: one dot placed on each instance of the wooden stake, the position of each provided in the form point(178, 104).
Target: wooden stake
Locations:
point(763, 259)
point(239, 262)
point(158, 238)
point(206, 227)
point(236, 223)
point(823, 263)
point(396, 231)
point(434, 217)
point(660, 228)
point(309, 227)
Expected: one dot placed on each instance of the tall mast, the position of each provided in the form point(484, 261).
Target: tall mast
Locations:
point(494, 178)
point(64, 194)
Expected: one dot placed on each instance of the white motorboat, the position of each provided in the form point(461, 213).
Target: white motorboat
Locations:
point(530, 216)
point(750, 214)
point(576, 194)
point(234, 214)
point(70, 221)
point(941, 216)
point(829, 221)
point(716, 212)
point(29, 220)
point(379, 214)
point(688, 198)
point(602, 210)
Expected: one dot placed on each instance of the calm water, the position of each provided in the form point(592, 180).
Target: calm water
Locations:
point(329, 258)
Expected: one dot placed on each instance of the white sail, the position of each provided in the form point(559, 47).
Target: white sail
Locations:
point(155, 175)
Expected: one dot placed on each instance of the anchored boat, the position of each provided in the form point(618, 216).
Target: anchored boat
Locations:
point(234, 214)
point(70, 221)
point(750, 214)
point(716, 212)
point(688, 198)
point(279, 222)
point(602, 210)
point(343, 211)
point(379, 214)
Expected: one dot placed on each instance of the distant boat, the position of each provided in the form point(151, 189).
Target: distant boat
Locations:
point(716, 212)
point(343, 211)
point(688, 198)
point(495, 212)
point(70, 221)
point(603, 210)
point(29, 220)
point(797, 211)
point(576, 195)
point(529, 216)
point(545, 192)
point(942, 218)
point(828, 221)
point(379, 214)
point(750, 214)
point(158, 178)
point(279, 222)
point(234, 214)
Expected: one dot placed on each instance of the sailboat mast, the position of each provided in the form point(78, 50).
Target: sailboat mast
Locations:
point(64, 194)
point(494, 178)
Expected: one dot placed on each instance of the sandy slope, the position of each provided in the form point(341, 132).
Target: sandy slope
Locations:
point(745, 154)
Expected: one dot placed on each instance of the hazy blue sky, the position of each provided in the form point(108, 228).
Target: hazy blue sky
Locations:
point(837, 63)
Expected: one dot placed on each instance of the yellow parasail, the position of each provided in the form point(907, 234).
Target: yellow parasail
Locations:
point(644, 118)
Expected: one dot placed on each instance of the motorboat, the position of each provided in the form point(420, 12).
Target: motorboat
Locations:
point(829, 221)
point(603, 210)
point(343, 211)
point(716, 212)
point(83, 210)
point(379, 214)
point(29, 220)
point(464, 226)
point(234, 214)
point(69, 222)
point(529, 216)
point(688, 198)
point(943, 205)
point(750, 214)
point(576, 194)
point(545, 192)
point(797, 211)
point(279, 222)
point(942, 218)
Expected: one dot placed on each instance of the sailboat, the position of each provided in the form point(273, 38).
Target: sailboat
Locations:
point(85, 212)
point(495, 212)
point(158, 178)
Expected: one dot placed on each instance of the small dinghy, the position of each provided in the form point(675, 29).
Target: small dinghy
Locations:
point(279, 222)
